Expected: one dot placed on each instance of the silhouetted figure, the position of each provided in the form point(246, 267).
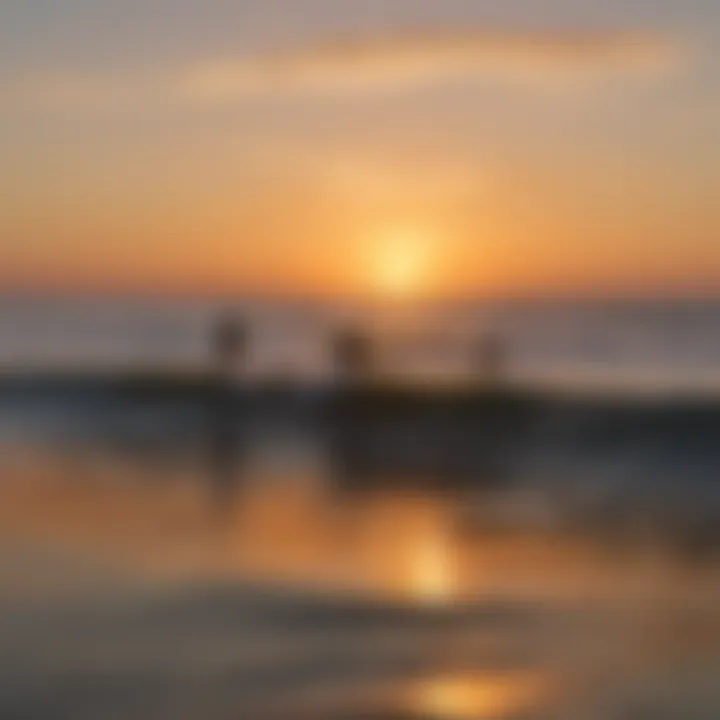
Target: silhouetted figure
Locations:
point(490, 358)
point(352, 354)
point(224, 449)
point(352, 361)
point(228, 342)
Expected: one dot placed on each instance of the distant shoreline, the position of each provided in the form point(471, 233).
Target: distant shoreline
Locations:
point(193, 380)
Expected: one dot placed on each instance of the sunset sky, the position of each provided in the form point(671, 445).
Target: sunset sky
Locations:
point(463, 147)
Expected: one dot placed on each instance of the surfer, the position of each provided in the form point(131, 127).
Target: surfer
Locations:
point(352, 353)
point(229, 342)
point(490, 358)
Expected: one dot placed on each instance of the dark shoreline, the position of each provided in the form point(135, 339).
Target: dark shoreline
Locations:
point(188, 383)
point(521, 417)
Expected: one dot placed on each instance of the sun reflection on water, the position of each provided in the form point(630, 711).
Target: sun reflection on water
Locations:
point(433, 580)
point(486, 696)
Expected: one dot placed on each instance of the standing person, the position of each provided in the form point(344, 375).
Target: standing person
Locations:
point(228, 342)
point(490, 358)
point(348, 416)
point(228, 346)
point(352, 353)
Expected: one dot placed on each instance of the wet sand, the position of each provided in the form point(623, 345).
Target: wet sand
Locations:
point(125, 598)
point(150, 572)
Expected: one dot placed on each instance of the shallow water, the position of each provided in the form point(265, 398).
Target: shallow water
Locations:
point(143, 578)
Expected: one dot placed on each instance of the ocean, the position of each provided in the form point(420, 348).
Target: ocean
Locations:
point(664, 345)
point(284, 547)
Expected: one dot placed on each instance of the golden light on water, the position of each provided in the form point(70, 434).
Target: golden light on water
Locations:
point(490, 696)
point(432, 570)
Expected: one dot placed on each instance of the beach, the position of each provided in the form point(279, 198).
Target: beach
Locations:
point(322, 554)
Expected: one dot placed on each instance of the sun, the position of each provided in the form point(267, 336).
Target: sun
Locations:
point(400, 264)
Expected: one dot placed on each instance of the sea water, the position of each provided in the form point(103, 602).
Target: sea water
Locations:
point(570, 573)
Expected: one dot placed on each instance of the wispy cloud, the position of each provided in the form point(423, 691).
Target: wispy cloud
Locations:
point(368, 64)
point(419, 59)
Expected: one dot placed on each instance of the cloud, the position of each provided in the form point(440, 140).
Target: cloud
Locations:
point(420, 59)
point(369, 64)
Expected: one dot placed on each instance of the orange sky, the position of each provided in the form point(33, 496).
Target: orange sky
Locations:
point(508, 161)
